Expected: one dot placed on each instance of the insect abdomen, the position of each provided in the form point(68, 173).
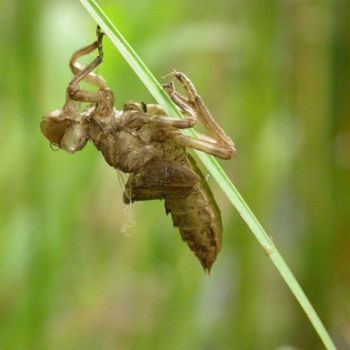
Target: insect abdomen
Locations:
point(198, 218)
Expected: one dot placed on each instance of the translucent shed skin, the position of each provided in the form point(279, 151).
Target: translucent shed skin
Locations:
point(142, 141)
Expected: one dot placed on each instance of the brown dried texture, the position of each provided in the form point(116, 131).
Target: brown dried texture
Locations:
point(199, 220)
point(143, 141)
point(168, 175)
point(54, 129)
point(160, 179)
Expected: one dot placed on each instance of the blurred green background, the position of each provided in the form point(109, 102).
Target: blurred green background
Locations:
point(80, 270)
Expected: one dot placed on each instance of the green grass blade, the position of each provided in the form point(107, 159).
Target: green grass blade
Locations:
point(212, 166)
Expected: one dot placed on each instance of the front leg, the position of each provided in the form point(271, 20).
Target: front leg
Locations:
point(77, 68)
point(76, 94)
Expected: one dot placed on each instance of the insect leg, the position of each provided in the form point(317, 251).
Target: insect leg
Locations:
point(181, 101)
point(189, 87)
point(158, 115)
point(165, 122)
point(77, 68)
point(76, 94)
point(204, 144)
point(219, 143)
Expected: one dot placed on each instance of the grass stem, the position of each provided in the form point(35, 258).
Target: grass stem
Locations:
point(212, 166)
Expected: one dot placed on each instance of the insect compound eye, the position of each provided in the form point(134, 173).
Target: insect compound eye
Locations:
point(54, 125)
point(74, 138)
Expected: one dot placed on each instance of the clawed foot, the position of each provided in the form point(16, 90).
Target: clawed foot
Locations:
point(187, 103)
point(190, 90)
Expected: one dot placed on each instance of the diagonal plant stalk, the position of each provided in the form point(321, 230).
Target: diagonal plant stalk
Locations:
point(212, 166)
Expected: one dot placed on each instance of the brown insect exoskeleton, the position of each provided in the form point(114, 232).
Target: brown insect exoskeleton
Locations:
point(144, 142)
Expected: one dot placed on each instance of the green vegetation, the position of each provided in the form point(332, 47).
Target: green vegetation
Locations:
point(80, 270)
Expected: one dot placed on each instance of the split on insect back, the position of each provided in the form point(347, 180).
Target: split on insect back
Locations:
point(142, 141)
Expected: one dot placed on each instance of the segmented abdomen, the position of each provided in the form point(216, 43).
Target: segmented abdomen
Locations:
point(198, 218)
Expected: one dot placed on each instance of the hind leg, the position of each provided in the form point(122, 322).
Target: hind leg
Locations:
point(218, 143)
